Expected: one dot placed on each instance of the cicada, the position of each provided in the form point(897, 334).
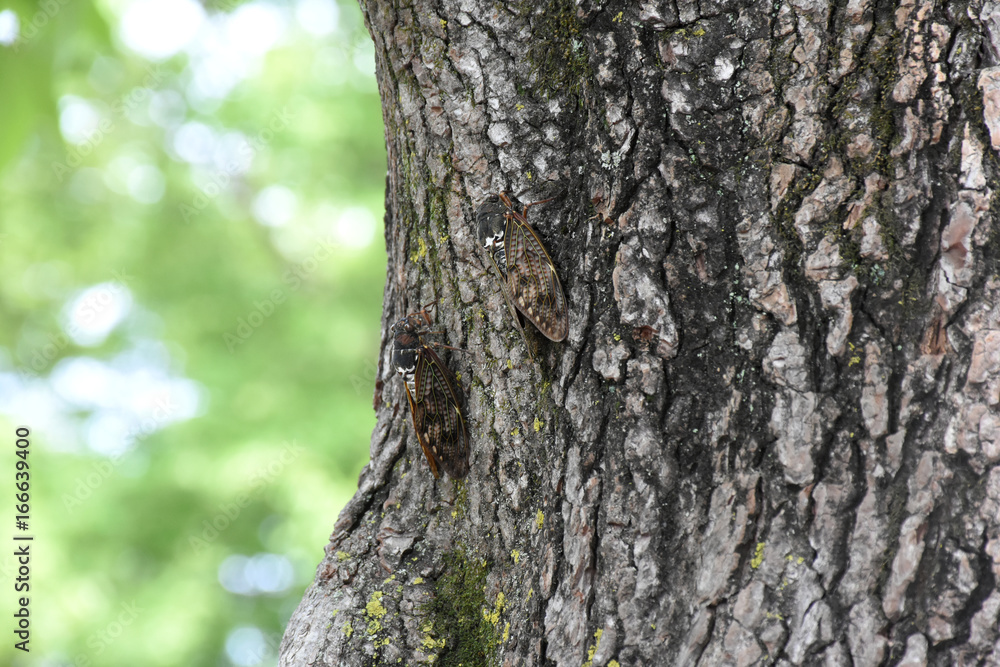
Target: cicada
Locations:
point(527, 276)
point(434, 402)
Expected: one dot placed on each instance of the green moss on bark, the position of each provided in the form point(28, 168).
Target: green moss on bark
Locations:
point(460, 615)
point(557, 55)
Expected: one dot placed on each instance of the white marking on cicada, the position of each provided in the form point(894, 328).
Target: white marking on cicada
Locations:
point(493, 241)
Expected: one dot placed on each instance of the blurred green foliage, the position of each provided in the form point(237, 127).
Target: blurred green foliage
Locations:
point(225, 215)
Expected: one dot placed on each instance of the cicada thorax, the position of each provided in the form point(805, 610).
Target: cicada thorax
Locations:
point(529, 278)
point(433, 395)
point(405, 350)
point(491, 218)
point(491, 224)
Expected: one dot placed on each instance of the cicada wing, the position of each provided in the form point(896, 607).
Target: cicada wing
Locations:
point(505, 290)
point(534, 283)
point(418, 412)
point(442, 431)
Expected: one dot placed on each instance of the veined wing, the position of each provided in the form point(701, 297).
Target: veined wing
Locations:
point(437, 416)
point(533, 281)
point(417, 412)
point(505, 290)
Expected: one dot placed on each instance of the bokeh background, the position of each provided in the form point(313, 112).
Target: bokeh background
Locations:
point(191, 272)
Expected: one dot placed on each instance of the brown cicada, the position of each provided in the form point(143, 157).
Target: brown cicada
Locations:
point(527, 276)
point(431, 392)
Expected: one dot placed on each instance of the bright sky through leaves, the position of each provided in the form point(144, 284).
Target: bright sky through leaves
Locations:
point(190, 235)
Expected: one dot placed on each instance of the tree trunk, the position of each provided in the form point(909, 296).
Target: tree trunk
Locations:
point(772, 435)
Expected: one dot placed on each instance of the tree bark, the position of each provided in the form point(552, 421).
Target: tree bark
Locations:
point(772, 435)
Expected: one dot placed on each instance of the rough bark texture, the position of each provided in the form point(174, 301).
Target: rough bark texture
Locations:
point(772, 436)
